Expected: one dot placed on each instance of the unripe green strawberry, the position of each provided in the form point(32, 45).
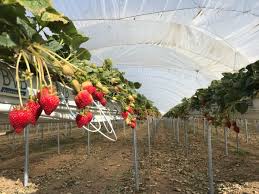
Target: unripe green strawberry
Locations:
point(105, 90)
point(114, 98)
point(76, 85)
point(130, 97)
point(93, 65)
point(99, 85)
point(68, 70)
point(86, 83)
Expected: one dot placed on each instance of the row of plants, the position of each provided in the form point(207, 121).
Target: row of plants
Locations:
point(40, 43)
point(223, 99)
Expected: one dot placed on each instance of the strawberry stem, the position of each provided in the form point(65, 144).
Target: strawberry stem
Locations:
point(37, 73)
point(29, 69)
point(18, 78)
point(46, 67)
point(53, 55)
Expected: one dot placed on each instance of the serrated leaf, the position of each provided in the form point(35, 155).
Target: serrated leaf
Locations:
point(68, 33)
point(51, 15)
point(74, 40)
point(6, 41)
point(83, 54)
point(30, 31)
point(36, 7)
point(8, 1)
point(54, 45)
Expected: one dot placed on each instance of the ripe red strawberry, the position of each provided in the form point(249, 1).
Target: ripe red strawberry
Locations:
point(43, 91)
point(83, 99)
point(233, 123)
point(125, 115)
point(90, 89)
point(103, 101)
point(236, 129)
point(49, 103)
point(19, 118)
point(133, 120)
point(133, 124)
point(98, 95)
point(130, 110)
point(83, 119)
point(228, 124)
point(35, 109)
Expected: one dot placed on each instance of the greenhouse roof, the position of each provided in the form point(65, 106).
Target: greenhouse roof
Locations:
point(172, 47)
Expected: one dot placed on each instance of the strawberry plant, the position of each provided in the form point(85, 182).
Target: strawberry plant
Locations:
point(45, 45)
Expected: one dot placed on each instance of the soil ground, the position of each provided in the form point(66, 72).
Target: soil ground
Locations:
point(170, 168)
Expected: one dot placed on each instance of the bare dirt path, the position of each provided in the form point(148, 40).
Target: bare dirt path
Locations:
point(108, 168)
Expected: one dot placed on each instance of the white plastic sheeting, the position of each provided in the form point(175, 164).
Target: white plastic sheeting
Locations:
point(173, 47)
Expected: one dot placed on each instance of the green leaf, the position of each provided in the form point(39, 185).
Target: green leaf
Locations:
point(6, 41)
point(54, 45)
point(77, 40)
point(83, 54)
point(36, 7)
point(137, 85)
point(51, 15)
point(241, 107)
point(28, 29)
point(68, 33)
point(11, 12)
point(8, 1)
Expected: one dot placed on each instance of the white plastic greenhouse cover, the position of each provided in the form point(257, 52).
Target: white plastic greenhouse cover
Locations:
point(173, 47)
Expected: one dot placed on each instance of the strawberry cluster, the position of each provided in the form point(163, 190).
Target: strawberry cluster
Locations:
point(128, 113)
point(231, 124)
point(87, 93)
point(21, 116)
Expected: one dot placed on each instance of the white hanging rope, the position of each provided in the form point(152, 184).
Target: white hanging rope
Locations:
point(109, 129)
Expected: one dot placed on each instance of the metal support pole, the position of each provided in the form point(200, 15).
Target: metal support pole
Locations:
point(124, 128)
point(135, 155)
point(246, 129)
point(237, 140)
point(194, 128)
point(204, 128)
point(173, 126)
point(14, 144)
point(88, 142)
point(70, 132)
point(58, 139)
point(185, 124)
point(148, 133)
point(177, 130)
point(66, 128)
point(26, 160)
point(42, 142)
point(226, 140)
point(210, 169)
